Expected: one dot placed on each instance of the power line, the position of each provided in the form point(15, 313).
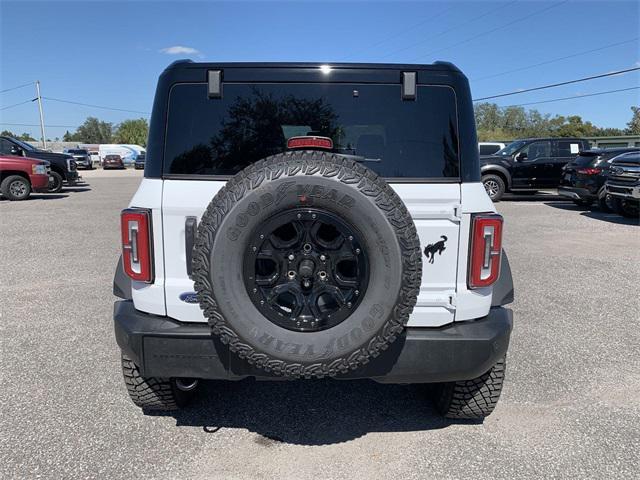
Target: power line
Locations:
point(487, 32)
point(553, 85)
point(547, 62)
point(37, 125)
point(575, 96)
point(474, 19)
point(18, 104)
point(400, 33)
point(16, 88)
point(95, 106)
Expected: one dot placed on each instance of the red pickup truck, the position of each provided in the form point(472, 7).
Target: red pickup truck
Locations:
point(19, 176)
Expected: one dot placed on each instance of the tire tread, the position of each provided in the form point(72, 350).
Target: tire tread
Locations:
point(290, 164)
point(472, 399)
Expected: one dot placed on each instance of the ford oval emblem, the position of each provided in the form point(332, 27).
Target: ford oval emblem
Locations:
point(189, 297)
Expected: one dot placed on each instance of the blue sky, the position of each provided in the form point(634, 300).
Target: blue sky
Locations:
point(111, 54)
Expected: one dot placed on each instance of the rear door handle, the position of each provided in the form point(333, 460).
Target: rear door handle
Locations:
point(190, 230)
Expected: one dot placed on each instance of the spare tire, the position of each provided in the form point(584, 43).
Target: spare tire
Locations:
point(307, 264)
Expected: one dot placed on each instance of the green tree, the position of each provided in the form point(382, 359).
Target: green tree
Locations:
point(91, 131)
point(506, 123)
point(133, 131)
point(24, 136)
point(633, 127)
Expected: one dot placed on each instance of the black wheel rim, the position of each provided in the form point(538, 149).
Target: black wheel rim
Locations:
point(54, 183)
point(306, 270)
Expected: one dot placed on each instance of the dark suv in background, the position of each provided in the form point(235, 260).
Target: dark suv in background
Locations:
point(583, 179)
point(528, 164)
point(63, 166)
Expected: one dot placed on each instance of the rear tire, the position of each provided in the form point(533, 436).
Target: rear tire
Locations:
point(471, 399)
point(152, 393)
point(55, 183)
point(15, 188)
point(494, 186)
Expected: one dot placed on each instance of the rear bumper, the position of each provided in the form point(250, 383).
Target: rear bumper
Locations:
point(576, 193)
point(163, 347)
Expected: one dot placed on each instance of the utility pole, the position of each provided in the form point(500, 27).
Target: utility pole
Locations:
point(44, 138)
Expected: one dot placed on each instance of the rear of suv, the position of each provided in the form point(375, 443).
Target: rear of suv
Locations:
point(583, 179)
point(308, 221)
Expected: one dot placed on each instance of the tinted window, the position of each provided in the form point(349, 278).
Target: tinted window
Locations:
point(77, 152)
point(568, 148)
point(25, 145)
point(585, 159)
point(396, 138)
point(512, 148)
point(5, 146)
point(489, 149)
point(535, 150)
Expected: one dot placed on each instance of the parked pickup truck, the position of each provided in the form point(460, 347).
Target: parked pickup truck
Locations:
point(63, 166)
point(528, 164)
point(20, 176)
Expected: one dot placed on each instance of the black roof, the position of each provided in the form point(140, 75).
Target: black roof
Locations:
point(436, 66)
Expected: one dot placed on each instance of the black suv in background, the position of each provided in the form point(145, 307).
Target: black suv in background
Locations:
point(623, 184)
point(528, 164)
point(583, 179)
point(63, 166)
point(81, 156)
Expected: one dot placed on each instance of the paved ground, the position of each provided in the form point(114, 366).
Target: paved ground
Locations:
point(570, 406)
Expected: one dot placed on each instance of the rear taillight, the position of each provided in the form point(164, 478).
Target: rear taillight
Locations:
point(310, 142)
point(486, 250)
point(589, 171)
point(137, 250)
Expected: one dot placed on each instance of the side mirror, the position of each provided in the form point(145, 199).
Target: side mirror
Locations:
point(15, 150)
point(520, 157)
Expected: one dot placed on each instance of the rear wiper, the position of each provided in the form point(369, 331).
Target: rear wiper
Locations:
point(359, 158)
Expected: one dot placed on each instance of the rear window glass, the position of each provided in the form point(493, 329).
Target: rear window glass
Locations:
point(584, 160)
point(397, 138)
point(77, 151)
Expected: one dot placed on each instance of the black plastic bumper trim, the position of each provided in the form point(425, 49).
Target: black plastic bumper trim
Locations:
point(163, 347)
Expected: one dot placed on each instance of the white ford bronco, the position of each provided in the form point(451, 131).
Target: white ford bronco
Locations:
point(299, 221)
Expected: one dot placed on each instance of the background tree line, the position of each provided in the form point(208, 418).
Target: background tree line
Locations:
point(94, 130)
point(508, 123)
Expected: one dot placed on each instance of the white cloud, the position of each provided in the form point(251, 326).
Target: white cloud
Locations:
point(180, 50)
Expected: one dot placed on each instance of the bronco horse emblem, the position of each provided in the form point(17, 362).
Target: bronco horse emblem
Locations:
point(438, 247)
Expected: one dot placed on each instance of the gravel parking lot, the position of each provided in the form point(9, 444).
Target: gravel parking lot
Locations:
point(570, 406)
